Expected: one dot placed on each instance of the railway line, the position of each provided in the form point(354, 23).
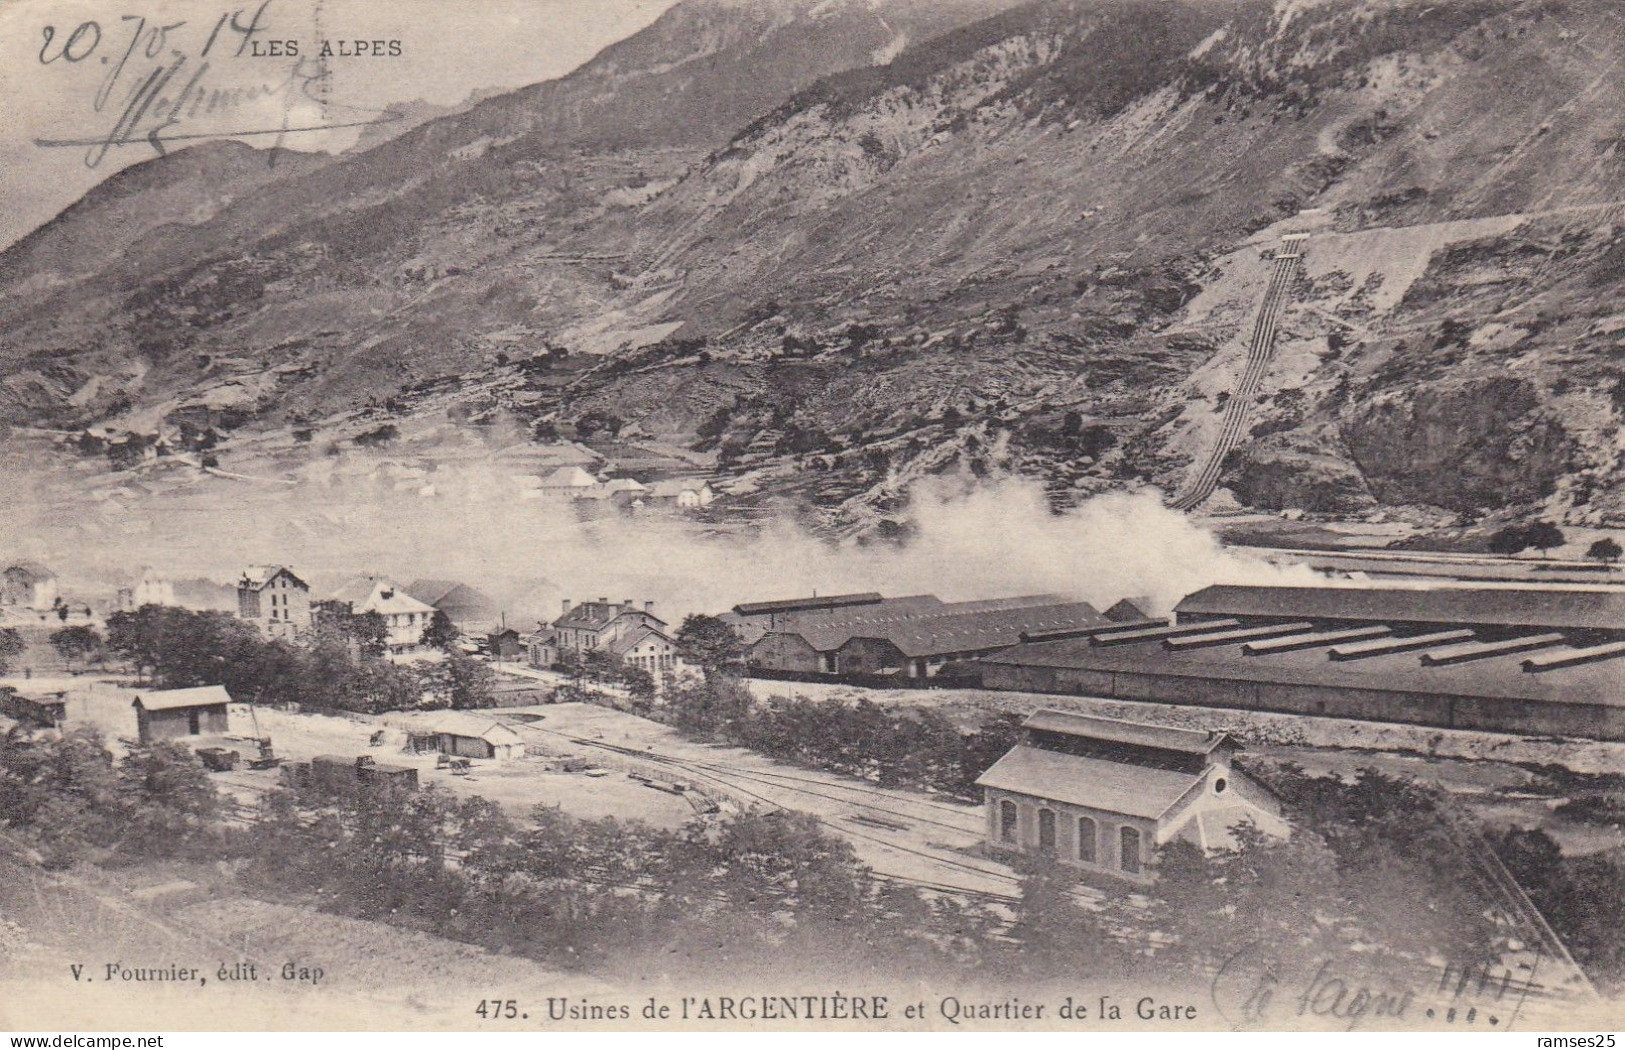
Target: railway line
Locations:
point(1260, 352)
point(894, 852)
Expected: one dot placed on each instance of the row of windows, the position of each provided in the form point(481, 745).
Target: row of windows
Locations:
point(1129, 838)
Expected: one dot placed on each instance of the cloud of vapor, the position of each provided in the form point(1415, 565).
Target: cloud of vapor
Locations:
point(363, 513)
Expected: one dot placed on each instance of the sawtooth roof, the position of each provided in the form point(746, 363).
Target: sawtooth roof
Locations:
point(1560, 609)
point(1498, 676)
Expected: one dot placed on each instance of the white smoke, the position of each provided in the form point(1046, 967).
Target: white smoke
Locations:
point(981, 539)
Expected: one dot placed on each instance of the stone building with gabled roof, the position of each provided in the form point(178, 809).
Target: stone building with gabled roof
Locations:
point(1104, 794)
point(586, 626)
point(30, 585)
point(275, 600)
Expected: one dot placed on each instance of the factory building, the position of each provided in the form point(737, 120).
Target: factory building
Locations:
point(1509, 660)
point(911, 638)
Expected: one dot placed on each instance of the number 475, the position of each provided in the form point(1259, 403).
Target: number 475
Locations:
point(498, 1009)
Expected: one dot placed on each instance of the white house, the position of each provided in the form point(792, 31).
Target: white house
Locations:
point(153, 590)
point(685, 493)
point(567, 483)
point(404, 615)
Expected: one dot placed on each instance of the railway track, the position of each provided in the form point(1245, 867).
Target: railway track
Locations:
point(1260, 352)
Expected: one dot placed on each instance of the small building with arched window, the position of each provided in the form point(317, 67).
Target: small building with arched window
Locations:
point(1105, 794)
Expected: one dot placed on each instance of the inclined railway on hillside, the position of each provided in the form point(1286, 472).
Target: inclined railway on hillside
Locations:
point(1260, 351)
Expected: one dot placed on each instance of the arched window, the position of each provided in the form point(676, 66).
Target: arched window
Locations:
point(1088, 840)
point(1007, 821)
point(1046, 830)
point(1130, 838)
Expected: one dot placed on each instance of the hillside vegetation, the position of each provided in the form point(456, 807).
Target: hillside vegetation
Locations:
point(926, 236)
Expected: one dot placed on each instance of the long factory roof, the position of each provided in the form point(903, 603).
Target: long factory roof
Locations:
point(1534, 607)
point(1499, 676)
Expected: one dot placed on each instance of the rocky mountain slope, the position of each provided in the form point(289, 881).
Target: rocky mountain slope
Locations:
point(843, 245)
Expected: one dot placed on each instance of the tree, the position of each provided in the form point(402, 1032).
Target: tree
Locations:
point(172, 801)
point(61, 794)
point(1057, 935)
point(439, 632)
point(1605, 550)
point(469, 682)
point(709, 643)
point(640, 686)
point(371, 633)
point(75, 642)
point(11, 647)
point(1543, 536)
point(1509, 541)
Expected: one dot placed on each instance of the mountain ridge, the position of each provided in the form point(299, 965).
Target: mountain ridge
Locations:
point(1027, 241)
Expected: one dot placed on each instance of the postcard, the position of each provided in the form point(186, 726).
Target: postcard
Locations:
point(811, 515)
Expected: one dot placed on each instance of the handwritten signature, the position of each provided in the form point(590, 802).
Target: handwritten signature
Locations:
point(1251, 989)
point(167, 92)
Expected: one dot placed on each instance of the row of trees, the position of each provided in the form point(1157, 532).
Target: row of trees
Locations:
point(1375, 877)
point(78, 642)
point(342, 667)
point(1544, 536)
point(893, 745)
point(70, 800)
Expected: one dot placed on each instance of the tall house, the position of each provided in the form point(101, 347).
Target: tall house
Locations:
point(29, 585)
point(276, 601)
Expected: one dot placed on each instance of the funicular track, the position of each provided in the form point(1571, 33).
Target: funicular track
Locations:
point(1260, 351)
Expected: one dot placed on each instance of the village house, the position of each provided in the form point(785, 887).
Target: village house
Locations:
point(166, 714)
point(44, 710)
point(647, 649)
point(505, 644)
point(682, 493)
point(567, 483)
point(29, 585)
point(1103, 794)
point(541, 650)
point(276, 601)
point(404, 616)
point(152, 589)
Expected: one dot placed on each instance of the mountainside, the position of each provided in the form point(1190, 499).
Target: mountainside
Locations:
point(386, 266)
point(844, 245)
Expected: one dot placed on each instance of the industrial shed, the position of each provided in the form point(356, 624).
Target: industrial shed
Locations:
point(1103, 794)
point(48, 711)
point(1508, 678)
point(1587, 611)
point(167, 714)
point(493, 741)
point(912, 638)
